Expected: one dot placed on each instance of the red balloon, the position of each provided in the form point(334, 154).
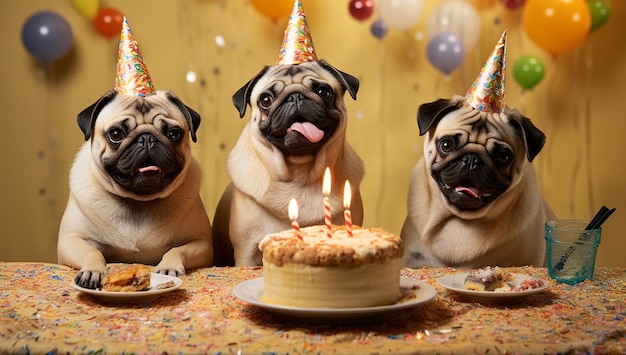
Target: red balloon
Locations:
point(361, 9)
point(108, 22)
point(513, 4)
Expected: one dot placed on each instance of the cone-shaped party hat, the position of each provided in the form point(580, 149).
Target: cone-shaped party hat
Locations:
point(487, 92)
point(297, 44)
point(132, 76)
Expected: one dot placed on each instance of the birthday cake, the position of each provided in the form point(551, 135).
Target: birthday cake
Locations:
point(340, 271)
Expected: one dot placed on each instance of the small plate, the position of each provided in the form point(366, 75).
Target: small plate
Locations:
point(413, 293)
point(149, 294)
point(456, 283)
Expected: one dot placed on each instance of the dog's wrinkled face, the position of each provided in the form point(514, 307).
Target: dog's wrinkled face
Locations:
point(141, 145)
point(297, 108)
point(475, 157)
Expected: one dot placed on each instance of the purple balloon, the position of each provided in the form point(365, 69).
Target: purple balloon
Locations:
point(445, 51)
point(47, 36)
point(379, 29)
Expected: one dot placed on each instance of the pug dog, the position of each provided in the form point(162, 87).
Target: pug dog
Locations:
point(297, 128)
point(474, 199)
point(134, 190)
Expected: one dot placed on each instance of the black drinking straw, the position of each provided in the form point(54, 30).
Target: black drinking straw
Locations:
point(603, 214)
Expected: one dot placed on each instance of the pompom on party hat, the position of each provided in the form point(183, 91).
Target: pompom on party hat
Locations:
point(132, 76)
point(297, 44)
point(487, 92)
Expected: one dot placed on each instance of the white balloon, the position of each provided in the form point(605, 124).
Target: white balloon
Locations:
point(402, 14)
point(458, 17)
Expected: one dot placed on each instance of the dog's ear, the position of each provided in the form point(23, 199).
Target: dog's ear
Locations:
point(192, 117)
point(533, 138)
point(431, 113)
point(241, 98)
point(87, 118)
point(348, 82)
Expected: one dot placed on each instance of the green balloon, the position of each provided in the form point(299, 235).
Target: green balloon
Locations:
point(599, 13)
point(528, 71)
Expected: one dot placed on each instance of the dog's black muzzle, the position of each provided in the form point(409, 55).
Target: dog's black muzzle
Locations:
point(469, 182)
point(300, 125)
point(146, 166)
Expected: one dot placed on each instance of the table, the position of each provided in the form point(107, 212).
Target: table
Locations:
point(41, 313)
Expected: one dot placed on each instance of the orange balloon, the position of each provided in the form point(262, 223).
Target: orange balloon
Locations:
point(558, 26)
point(273, 9)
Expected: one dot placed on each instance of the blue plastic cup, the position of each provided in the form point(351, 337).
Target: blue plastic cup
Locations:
point(571, 250)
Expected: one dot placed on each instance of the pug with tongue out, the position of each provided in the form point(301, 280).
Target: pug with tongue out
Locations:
point(134, 186)
point(473, 199)
point(297, 128)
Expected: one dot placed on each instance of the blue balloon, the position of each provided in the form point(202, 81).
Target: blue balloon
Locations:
point(445, 51)
point(379, 29)
point(47, 36)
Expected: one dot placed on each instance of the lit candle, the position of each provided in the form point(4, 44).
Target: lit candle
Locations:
point(293, 215)
point(347, 215)
point(326, 192)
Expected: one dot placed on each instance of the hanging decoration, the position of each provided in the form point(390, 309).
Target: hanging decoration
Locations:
point(445, 51)
point(379, 29)
point(273, 9)
point(558, 26)
point(457, 17)
point(528, 70)
point(361, 10)
point(47, 36)
point(600, 12)
point(108, 22)
point(400, 14)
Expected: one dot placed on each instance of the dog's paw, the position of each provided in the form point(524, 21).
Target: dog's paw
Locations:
point(169, 271)
point(89, 279)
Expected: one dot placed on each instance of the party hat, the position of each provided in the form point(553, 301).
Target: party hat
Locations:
point(132, 76)
point(487, 92)
point(297, 44)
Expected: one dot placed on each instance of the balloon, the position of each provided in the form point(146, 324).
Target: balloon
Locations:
point(458, 17)
point(108, 22)
point(528, 71)
point(513, 4)
point(557, 26)
point(47, 36)
point(379, 29)
point(600, 12)
point(88, 8)
point(361, 9)
point(273, 9)
point(445, 51)
point(402, 14)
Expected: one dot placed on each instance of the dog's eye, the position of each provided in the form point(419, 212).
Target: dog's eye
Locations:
point(265, 101)
point(502, 158)
point(116, 135)
point(445, 146)
point(324, 92)
point(175, 134)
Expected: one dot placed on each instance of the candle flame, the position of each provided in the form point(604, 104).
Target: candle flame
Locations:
point(326, 182)
point(347, 195)
point(293, 209)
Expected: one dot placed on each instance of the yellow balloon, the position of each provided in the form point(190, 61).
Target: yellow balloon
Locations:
point(89, 8)
point(273, 9)
point(558, 26)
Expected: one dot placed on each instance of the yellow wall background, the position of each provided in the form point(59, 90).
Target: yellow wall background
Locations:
point(580, 104)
